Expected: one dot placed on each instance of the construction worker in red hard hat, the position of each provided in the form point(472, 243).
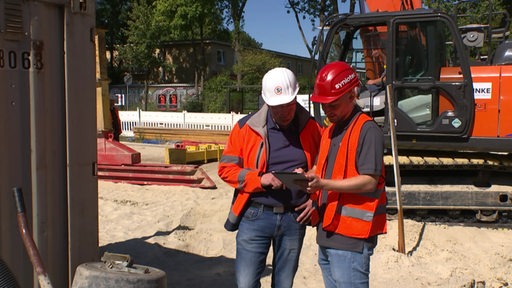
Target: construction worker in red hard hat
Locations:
point(280, 136)
point(347, 181)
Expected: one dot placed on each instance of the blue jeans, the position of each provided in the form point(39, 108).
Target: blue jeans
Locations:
point(345, 269)
point(257, 231)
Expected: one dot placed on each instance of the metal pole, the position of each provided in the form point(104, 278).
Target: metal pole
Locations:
point(128, 81)
point(126, 97)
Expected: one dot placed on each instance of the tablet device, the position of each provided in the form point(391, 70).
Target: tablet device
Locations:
point(292, 180)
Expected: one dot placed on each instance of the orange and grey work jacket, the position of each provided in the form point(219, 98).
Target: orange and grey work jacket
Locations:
point(245, 157)
point(357, 215)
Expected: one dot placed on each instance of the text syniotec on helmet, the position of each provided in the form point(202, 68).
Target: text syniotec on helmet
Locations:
point(343, 82)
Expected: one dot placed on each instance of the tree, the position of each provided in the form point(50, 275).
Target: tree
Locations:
point(491, 14)
point(185, 20)
point(165, 21)
point(472, 11)
point(317, 11)
point(112, 15)
point(246, 41)
point(235, 16)
point(139, 53)
point(222, 91)
point(256, 64)
point(215, 93)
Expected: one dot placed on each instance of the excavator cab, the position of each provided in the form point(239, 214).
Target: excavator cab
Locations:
point(451, 119)
point(415, 52)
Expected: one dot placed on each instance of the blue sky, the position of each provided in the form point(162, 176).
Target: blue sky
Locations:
point(268, 23)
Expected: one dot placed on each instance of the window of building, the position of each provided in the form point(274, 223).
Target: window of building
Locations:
point(220, 57)
point(299, 69)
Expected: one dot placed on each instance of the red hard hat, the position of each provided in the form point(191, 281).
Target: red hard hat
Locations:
point(334, 80)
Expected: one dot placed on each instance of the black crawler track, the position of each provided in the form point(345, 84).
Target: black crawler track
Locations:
point(454, 217)
point(463, 186)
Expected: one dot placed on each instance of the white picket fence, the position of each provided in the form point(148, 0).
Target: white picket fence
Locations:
point(177, 120)
point(188, 120)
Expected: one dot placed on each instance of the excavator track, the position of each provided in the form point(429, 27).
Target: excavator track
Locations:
point(478, 183)
point(450, 217)
point(460, 159)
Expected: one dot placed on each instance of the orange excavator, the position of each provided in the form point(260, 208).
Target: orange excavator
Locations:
point(450, 79)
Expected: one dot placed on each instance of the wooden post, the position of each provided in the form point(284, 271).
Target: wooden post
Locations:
point(396, 170)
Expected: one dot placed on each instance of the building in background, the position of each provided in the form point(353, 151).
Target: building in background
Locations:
point(185, 61)
point(186, 57)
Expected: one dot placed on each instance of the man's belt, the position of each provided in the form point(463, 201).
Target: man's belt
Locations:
point(277, 210)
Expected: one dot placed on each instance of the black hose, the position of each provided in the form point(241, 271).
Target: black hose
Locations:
point(7, 280)
point(18, 198)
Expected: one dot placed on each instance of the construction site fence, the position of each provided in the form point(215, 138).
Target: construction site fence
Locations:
point(177, 120)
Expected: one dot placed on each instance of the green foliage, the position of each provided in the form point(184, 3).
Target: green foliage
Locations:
point(215, 93)
point(112, 15)
point(193, 104)
point(244, 99)
point(316, 10)
point(136, 28)
point(186, 20)
point(139, 27)
point(234, 14)
point(468, 12)
point(221, 94)
point(490, 14)
point(246, 41)
point(256, 63)
point(139, 54)
point(115, 73)
point(151, 106)
point(306, 84)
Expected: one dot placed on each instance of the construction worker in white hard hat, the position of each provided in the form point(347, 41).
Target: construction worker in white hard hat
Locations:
point(280, 136)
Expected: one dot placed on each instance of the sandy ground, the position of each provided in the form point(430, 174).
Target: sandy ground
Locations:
point(179, 230)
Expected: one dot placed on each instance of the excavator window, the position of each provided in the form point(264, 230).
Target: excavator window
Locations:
point(423, 49)
point(420, 58)
point(364, 49)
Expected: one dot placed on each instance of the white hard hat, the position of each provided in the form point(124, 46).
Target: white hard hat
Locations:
point(279, 86)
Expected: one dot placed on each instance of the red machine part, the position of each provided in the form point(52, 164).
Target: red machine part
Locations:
point(156, 174)
point(120, 163)
point(395, 5)
point(115, 153)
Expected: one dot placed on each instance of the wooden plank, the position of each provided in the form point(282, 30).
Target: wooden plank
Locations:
point(168, 134)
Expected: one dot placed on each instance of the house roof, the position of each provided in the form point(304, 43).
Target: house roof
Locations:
point(228, 45)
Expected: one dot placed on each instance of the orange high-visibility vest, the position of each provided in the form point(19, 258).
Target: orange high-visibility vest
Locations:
point(357, 215)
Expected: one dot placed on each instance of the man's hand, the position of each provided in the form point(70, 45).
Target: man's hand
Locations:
point(305, 216)
point(299, 170)
point(315, 183)
point(269, 180)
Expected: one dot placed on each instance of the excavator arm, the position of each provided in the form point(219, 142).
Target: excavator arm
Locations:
point(392, 5)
